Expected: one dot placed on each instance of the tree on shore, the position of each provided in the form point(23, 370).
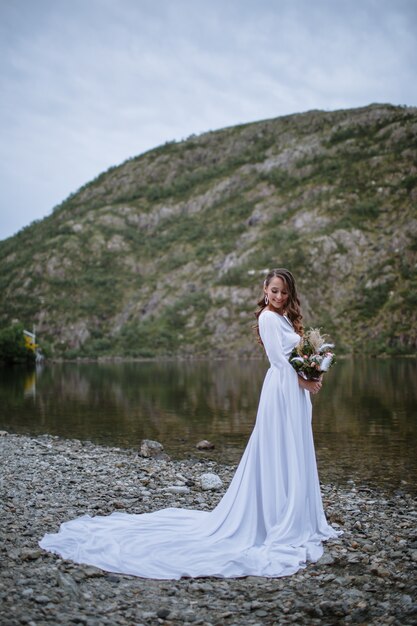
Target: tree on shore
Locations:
point(13, 348)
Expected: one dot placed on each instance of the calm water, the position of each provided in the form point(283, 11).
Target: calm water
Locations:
point(365, 418)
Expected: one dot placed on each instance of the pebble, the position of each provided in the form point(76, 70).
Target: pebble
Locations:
point(27, 592)
point(367, 576)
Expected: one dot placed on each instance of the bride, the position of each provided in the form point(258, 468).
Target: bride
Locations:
point(270, 522)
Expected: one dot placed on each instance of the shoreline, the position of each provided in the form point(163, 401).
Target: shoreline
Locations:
point(206, 357)
point(195, 358)
point(365, 576)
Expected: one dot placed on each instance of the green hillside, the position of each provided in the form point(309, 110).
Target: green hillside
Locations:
point(166, 253)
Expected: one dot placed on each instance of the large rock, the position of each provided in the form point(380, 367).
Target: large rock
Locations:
point(204, 445)
point(210, 481)
point(152, 450)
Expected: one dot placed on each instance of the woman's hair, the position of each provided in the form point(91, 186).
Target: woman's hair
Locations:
point(292, 308)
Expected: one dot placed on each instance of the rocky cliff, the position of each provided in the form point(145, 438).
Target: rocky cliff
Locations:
point(166, 253)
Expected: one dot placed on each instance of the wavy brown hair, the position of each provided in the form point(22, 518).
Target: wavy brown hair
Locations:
point(292, 308)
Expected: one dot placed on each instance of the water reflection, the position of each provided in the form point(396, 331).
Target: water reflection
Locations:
point(364, 419)
point(368, 415)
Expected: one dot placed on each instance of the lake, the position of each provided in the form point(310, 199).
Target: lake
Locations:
point(364, 419)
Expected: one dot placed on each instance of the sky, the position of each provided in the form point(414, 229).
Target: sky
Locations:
point(87, 84)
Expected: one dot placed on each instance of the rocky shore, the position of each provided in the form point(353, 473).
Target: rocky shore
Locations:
point(368, 576)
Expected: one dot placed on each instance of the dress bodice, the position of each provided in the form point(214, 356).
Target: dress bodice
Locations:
point(290, 338)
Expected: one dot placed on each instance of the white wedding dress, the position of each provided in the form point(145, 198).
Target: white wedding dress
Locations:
point(270, 521)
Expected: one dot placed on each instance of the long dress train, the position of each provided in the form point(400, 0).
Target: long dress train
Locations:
point(270, 521)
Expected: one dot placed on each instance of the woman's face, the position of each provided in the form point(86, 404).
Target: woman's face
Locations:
point(277, 293)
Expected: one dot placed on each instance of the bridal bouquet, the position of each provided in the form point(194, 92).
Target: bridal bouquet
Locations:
point(313, 355)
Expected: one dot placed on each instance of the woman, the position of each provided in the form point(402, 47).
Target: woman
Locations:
point(270, 522)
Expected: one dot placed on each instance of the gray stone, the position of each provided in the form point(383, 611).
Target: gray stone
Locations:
point(210, 481)
point(41, 599)
point(91, 572)
point(152, 449)
point(27, 592)
point(189, 616)
point(205, 445)
point(326, 559)
point(65, 581)
point(28, 554)
point(177, 489)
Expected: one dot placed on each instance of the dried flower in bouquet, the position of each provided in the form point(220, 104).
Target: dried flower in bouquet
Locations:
point(313, 355)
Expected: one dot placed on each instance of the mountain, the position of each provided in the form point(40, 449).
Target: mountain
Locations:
point(166, 253)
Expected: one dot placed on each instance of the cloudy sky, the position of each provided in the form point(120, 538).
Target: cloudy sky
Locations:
point(86, 84)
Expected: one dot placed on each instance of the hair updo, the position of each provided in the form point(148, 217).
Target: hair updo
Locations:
point(292, 307)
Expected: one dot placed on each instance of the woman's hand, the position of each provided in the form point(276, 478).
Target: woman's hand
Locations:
point(313, 386)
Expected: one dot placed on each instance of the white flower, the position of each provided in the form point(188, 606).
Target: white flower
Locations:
point(326, 346)
point(326, 362)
